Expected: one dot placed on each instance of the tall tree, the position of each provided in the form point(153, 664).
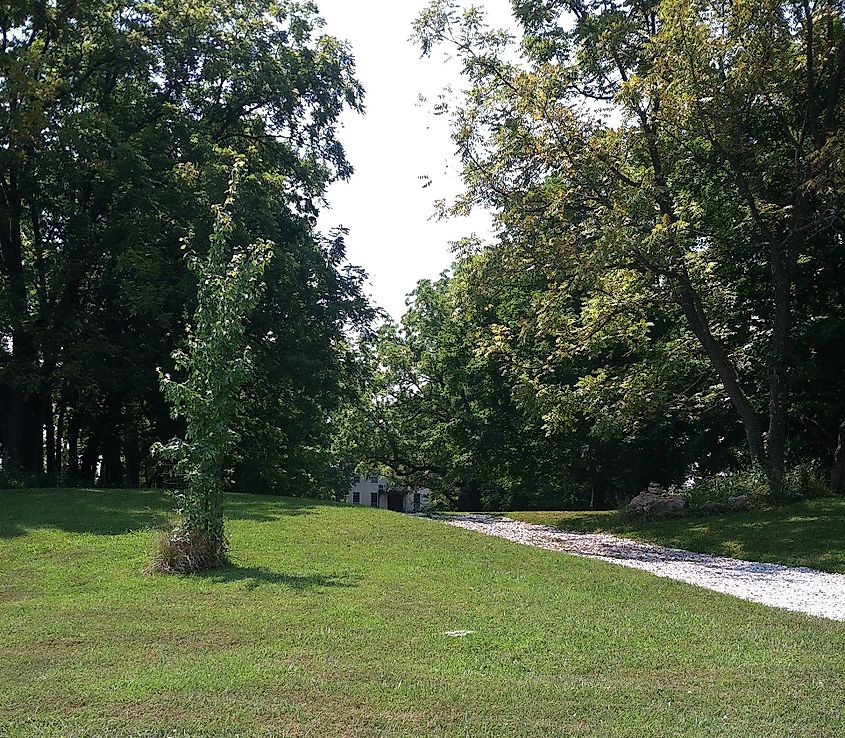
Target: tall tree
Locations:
point(659, 144)
point(116, 120)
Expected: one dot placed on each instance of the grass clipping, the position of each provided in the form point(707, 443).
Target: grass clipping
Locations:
point(179, 551)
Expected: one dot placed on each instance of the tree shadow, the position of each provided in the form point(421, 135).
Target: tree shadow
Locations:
point(265, 509)
point(809, 533)
point(110, 512)
point(254, 577)
point(85, 511)
point(814, 541)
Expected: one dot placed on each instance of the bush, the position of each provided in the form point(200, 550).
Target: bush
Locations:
point(727, 491)
point(750, 488)
point(805, 482)
point(26, 480)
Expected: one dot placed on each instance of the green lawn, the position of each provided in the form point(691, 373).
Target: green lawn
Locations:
point(332, 620)
point(810, 533)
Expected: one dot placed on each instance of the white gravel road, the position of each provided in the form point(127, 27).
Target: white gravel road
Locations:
point(799, 589)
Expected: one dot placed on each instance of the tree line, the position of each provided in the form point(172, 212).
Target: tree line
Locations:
point(120, 124)
point(664, 298)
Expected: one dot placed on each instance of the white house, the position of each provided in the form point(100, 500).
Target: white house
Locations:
point(376, 491)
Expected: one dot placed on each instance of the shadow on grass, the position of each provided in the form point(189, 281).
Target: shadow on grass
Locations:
point(817, 541)
point(266, 509)
point(91, 511)
point(809, 533)
point(116, 512)
point(254, 577)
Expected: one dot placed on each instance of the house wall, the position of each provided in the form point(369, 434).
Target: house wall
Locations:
point(408, 502)
point(365, 487)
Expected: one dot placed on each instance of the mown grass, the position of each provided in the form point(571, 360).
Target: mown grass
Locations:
point(810, 533)
point(332, 620)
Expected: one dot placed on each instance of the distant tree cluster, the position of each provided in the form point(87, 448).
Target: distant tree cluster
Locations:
point(664, 300)
point(120, 123)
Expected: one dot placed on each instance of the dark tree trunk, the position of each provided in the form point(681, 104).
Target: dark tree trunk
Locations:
point(469, 498)
point(598, 497)
point(719, 359)
point(779, 370)
point(837, 473)
point(12, 429)
point(111, 471)
point(32, 446)
point(4, 422)
point(73, 447)
point(60, 423)
point(23, 439)
point(131, 450)
point(50, 434)
point(90, 456)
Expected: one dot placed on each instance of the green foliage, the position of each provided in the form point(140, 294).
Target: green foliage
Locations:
point(119, 123)
point(714, 493)
point(665, 196)
point(216, 366)
point(442, 413)
point(807, 481)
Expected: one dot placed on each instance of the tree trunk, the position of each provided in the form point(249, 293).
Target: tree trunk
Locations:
point(4, 422)
point(49, 434)
point(23, 438)
point(598, 498)
point(696, 318)
point(73, 448)
point(469, 498)
point(131, 450)
point(32, 439)
point(779, 370)
point(837, 473)
point(111, 471)
point(90, 455)
point(60, 427)
point(12, 428)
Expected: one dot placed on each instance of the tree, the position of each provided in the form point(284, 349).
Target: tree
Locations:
point(666, 147)
point(760, 86)
point(119, 123)
point(464, 401)
point(216, 366)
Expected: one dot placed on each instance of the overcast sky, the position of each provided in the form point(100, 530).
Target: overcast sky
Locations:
point(392, 145)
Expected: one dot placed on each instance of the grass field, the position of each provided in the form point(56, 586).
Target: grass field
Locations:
point(332, 622)
point(810, 533)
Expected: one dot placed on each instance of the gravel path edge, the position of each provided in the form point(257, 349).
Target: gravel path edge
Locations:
point(798, 589)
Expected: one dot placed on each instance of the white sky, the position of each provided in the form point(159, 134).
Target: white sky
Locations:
point(395, 142)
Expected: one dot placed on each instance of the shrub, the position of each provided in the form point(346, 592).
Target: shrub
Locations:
point(805, 481)
point(722, 491)
point(748, 488)
point(27, 480)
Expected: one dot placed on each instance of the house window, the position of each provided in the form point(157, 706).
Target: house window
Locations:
point(416, 501)
point(356, 478)
point(374, 480)
point(356, 498)
point(373, 499)
point(381, 488)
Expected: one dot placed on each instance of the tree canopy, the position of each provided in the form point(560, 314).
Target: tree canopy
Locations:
point(667, 182)
point(662, 300)
point(120, 124)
